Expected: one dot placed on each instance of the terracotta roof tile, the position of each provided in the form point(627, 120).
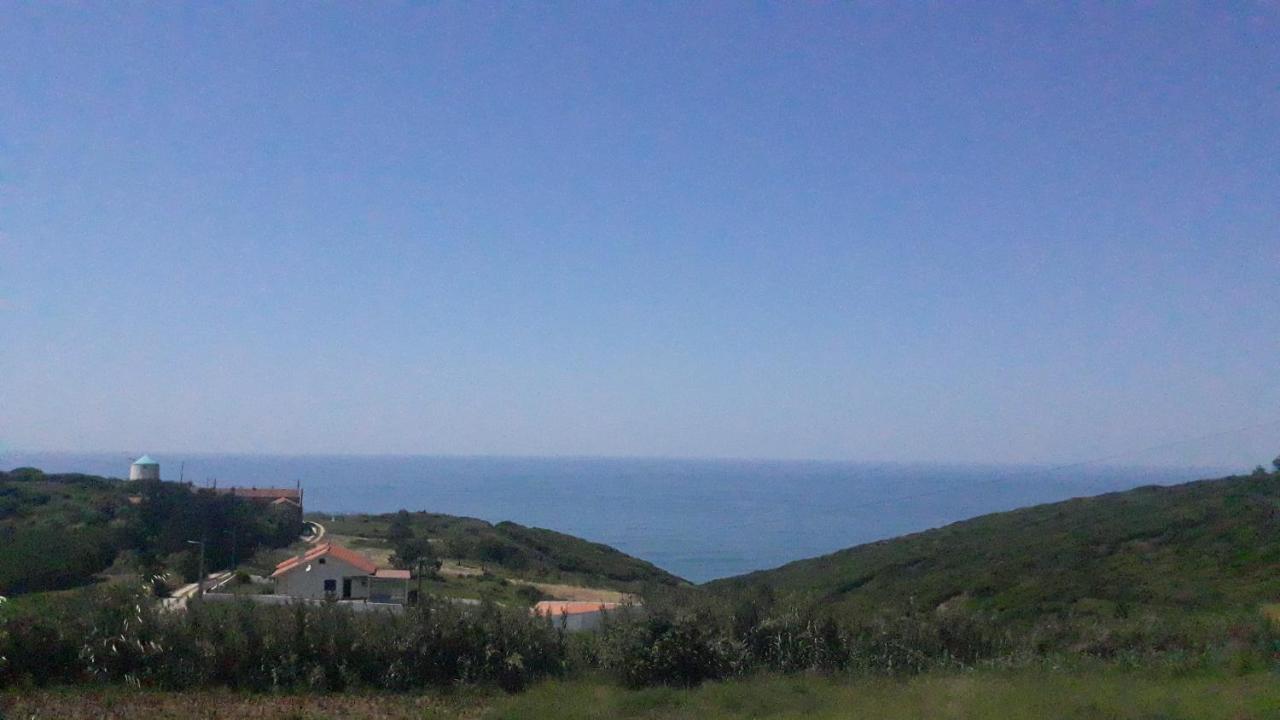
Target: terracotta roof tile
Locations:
point(351, 557)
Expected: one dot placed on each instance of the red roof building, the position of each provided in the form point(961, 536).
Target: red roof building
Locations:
point(330, 571)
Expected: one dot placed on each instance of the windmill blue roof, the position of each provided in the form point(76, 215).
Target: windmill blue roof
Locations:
point(145, 460)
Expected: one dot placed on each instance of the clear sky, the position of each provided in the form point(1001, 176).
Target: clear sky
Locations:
point(890, 231)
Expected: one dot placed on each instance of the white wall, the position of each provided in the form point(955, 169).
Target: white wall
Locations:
point(300, 583)
point(578, 621)
point(389, 589)
point(144, 472)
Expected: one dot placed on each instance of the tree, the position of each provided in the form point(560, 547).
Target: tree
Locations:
point(1276, 463)
point(414, 551)
point(400, 529)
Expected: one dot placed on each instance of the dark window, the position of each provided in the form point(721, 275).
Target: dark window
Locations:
point(330, 585)
point(321, 561)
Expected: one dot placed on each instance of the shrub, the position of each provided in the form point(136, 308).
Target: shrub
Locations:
point(119, 636)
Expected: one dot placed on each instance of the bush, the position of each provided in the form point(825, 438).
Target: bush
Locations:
point(119, 636)
point(530, 595)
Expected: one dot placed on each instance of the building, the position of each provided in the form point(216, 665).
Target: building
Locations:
point(144, 468)
point(283, 499)
point(266, 496)
point(576, 615)
point(332, 572)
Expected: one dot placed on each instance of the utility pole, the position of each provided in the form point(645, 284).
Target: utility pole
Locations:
point(200, 579)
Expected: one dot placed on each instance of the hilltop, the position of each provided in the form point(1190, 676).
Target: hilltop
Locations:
point(472, 552)
point(63, 531)
point(1201, 546)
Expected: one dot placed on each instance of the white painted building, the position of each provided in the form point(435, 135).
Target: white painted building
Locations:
point(332, 572)
point(576, 615)
point(144, 468)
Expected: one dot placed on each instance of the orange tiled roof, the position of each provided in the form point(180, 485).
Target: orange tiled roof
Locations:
point(346, 555)
point(257, 493)
point(392, 574)
point(556, 608)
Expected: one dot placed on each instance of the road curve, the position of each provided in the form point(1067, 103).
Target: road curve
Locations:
point(316, 534)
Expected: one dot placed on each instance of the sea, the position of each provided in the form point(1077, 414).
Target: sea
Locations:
point(699, 519)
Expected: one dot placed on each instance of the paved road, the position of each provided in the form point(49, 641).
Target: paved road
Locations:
point(317, 533)
point(180, 597)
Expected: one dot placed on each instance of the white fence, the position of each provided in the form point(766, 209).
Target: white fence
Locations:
point(356, 605)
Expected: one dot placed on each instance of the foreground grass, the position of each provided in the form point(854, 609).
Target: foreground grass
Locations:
point(1033, 696)
point(977, 696)
point(81, 703)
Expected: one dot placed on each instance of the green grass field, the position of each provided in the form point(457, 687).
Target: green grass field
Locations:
point(1029, 695)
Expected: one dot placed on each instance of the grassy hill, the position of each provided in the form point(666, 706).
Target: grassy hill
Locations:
point(60, 531)
point(1202, 546)
point(57, 530)
point(519, 551)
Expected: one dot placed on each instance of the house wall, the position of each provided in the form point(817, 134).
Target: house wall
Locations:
point(389, 590)
point(578, 621)
point(355, 605)
point(300, 583)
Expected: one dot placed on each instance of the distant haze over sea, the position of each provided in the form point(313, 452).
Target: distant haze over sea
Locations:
point(700, 519)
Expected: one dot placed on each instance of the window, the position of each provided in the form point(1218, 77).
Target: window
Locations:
point(321, 561)
point(330, 586)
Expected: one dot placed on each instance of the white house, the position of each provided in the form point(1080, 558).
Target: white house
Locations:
point(576, 615)
point(333, 572)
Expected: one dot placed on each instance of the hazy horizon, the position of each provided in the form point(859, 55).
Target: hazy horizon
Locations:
point(947, 233)
point(170, 459)
point(701, 519)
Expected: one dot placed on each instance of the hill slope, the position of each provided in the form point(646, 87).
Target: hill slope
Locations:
point(529, 552)
point(59, 531)
point(1205, 545)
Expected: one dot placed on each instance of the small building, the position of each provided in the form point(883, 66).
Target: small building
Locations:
point(144, 468)
point(277, 498)
point(266, 496)
point(576, 615)
point(332, 572)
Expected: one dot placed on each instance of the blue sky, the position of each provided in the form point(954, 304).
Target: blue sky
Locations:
point(895, 231)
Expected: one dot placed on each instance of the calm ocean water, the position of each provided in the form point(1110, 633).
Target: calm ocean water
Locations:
point(700, 519)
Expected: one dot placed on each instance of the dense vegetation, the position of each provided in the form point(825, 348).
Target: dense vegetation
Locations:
point(59, 531)
point(1201, 547)
point(120, 635)
point(114, 635)
point(1166, 581)
point(527, 552)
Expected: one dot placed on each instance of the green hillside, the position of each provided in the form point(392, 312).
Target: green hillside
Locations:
point(60, 531)
point(1202, 546)
point(528, 552)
